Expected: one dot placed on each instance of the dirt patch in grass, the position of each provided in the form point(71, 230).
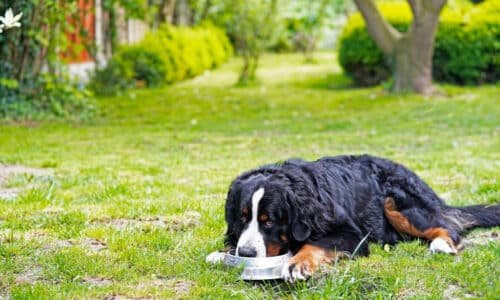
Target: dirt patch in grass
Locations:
point(31, 276)
point(94, 245)
point(7, 171)
point(179, 287)
point(185, 221)
point(120, 297)
point(9, 236)
point(454, 292)
point(408, 293)
point(9, 193)
point(481, 237)
point(182, 287)
point(96, 281)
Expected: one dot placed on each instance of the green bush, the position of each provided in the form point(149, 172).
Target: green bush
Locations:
point(466, 51)
point(27, 89)
point(147, 64)
point(116, 76)
point(167, 55)
point(45, 97)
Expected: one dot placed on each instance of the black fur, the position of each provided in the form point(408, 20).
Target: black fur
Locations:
point(335, 202)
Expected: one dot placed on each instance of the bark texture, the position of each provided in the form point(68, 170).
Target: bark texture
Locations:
point(410, 52)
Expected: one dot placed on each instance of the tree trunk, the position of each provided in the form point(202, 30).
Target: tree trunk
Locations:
point(248, 72)
point(165, 13)
point(183, 13)
point(410, 53)
point(206, 10)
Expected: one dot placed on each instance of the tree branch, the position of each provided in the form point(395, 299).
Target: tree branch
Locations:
point(384, 35)
point(414, 5)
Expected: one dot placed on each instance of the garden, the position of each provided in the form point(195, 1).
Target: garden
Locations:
point(116, 189)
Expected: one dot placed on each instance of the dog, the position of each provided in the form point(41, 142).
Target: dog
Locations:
point(332, 207)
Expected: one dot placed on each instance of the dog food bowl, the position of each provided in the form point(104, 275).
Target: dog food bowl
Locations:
point(254, 268)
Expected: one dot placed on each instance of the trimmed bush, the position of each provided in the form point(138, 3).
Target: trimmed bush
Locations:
point(167, 55)
point(466, 51)
point(147, 64)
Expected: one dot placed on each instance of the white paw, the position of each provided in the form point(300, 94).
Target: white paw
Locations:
point(440, 245)
point(215, 257)
point(293, 272)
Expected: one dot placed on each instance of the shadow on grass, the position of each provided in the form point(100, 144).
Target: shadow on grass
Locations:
point(331, 81)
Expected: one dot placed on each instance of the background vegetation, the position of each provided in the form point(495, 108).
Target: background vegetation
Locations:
point(466, 50)
point(166, 55)
point(33, 81)
point(130, 204)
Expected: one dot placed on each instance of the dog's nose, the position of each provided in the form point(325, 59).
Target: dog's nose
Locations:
point(247, 252)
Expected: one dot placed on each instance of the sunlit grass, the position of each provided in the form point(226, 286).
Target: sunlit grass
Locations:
point(110, 216)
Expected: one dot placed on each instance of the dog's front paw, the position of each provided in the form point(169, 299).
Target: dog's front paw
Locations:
point(216, 257)
point(297, 270)
point(303, 265)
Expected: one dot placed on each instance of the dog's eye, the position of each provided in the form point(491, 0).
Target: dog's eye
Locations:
point(268, 223)
point(243, 219)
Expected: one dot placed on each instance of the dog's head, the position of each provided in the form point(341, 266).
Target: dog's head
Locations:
point(265, 217)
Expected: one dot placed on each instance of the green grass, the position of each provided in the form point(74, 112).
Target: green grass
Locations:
point(133, 202)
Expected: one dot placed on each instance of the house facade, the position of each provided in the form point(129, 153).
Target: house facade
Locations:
point(95, 21)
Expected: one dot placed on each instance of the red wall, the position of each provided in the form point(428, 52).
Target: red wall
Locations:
point(85, 20)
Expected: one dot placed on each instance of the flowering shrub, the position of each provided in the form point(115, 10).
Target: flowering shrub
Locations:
point(9, 20)
point(33, 82)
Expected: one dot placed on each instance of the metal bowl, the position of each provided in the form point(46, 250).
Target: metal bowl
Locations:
point(261, 268)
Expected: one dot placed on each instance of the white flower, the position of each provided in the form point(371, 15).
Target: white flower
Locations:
point(9, 20)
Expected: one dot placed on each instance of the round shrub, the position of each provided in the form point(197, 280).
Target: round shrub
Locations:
point(167, 39)
point(166, 55)
point(215, 48)
point(222, 39)
point(194, 53)
point(148, 67)
point(466, 48)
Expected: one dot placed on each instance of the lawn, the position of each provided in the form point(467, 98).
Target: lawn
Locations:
point(129, 205)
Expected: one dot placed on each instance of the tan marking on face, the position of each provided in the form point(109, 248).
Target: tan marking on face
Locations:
point(283, 238)
point(273, 249)
point(263, 218)
point(245, 211)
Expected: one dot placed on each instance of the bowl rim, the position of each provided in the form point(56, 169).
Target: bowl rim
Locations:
point(256, 262)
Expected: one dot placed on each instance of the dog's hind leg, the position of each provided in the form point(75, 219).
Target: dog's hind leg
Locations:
point(418, 223)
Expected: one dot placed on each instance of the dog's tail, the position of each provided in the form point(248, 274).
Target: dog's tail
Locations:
point(469, 217)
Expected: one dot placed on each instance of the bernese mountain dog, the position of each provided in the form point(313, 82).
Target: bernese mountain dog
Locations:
point(331, 208)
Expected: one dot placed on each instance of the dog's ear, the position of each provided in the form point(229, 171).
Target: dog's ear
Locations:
point(231, 211)
point(300, 231)
point(300, 228)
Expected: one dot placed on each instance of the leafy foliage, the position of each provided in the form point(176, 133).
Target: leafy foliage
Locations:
point(253, 26)
point(26, 90)
point(113, 183)
point(466, 49)
point(167, 55)
point(304, 21)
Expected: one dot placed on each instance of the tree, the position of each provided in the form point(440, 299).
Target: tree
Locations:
point(410, 52)
point(254, 24)
point(305, 20)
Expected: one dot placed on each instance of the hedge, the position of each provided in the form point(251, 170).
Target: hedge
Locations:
point(165, 56)
point(467, 48)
